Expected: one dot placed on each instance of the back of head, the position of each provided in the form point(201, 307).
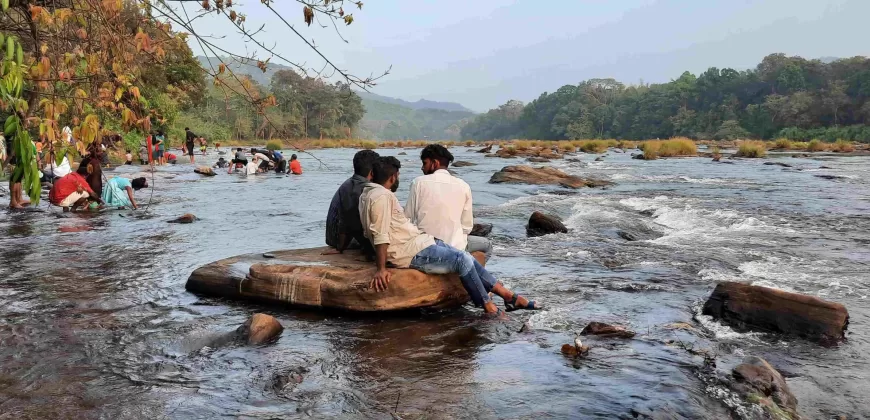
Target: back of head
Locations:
point(363, 162)
point(239, 149)
point(186, 129)
point(293, 157)
point(384, 168)
point(139, 183)
point(437, 152)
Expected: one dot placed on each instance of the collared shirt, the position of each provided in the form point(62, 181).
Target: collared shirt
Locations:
point(440, 205)
point(343, 214)
point(384, 222)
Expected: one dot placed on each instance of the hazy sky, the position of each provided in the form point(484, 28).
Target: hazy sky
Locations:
point(482, 53)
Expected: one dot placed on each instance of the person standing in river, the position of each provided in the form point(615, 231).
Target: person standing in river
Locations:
point(295, 166)
point(343, 226)
point(398, 241)
point(440, 203)
point(190, 143)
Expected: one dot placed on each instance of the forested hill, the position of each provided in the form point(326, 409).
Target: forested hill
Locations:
point(388, 121)
point(782, 97)
point(419, 104)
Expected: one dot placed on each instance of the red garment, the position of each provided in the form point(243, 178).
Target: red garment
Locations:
point(296, 167)
point(171, 156)
point(67, 185)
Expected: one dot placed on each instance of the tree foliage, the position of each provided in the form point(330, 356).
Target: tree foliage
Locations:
point(782, 96)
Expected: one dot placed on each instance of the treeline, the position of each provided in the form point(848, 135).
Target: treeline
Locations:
point(385, 121)
point(297, 107)
point(783, 96)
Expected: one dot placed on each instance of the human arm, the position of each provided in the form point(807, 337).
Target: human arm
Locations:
point(379, 232)
point(411, 204)
point(132, 200)
point(467, 218)
point(382, 276)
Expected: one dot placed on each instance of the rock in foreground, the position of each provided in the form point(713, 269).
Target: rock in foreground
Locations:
point(481, 229)
point(204, 170)
point(606, 330)
point(524, 174)
point(541, 224)
point(304, 277)
point(186, 218)
point(761, 384)
point(260, 328)
point(762, 308)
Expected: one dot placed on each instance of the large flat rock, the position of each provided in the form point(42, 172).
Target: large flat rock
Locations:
point(304, 277)
point(525, 174)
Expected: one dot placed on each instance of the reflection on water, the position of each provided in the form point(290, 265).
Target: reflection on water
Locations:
point(95, 322)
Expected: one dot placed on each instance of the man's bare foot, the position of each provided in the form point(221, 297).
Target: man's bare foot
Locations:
point(15, 206)
point(24, 203)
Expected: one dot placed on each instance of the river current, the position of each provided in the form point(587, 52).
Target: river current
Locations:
point(95, 321)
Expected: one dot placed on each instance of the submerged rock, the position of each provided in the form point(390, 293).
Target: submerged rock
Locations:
point(541, 224)
point(481, 229)
point(761, 384)
point(599, 158)
point(536, 159)
point(487, 149)
point(186, 218)
point(606, 330)
point(462, 163)
point(628, 236)
point(572, 350)
point(762, 308)
point(524, 174)
point(831, 177)
point(260, 328)
point(205, 170)
point(784, 165)
point(403, 154)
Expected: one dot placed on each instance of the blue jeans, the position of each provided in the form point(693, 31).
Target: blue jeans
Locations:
point(445, 259)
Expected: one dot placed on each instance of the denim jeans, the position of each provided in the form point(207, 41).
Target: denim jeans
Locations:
point(477, 243)
point(445, 259)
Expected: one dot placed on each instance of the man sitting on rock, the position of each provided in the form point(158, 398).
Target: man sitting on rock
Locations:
point(440, 203)
point(343, 226)
point(401, 243)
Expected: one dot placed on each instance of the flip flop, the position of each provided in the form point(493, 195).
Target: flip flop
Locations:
point(512, 305)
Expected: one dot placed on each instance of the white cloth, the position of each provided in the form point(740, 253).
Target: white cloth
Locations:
point(440, 205)
point(73, 198)
point(251, 167)
point(59, 171)
point(262, 157)
point(384, 222)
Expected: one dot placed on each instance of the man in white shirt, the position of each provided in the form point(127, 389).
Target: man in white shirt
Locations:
point(440, 203)
point(396, 240)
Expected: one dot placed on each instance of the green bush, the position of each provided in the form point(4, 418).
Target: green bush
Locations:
point(274, 145)
point(751, 149)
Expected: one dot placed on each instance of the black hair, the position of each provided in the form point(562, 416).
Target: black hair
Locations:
point(139, 183)
point(384, 168)
point(293, 157)
point(437, 152)
point(239, 149)
point(363, 161)
point(186, 129)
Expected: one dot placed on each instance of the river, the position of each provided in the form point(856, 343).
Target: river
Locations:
point(95, 321)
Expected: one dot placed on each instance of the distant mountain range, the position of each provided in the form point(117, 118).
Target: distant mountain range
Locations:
point(419, 104)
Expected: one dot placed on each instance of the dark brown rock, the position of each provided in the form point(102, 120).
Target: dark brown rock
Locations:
point(761, 384)
point(606, 330)
point(524, 174)
point(462, 163)
point(205, 170)
point(541, 224)
point(784, 165)
point(599, 158)
point(186, 218)
point(260, 328)
point(487, 149)
point(762, 308)
point(481, 229)
point(536, 159)
point(403, 154)
point(572, 350)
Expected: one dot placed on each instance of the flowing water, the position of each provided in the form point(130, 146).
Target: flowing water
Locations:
point(95, 321)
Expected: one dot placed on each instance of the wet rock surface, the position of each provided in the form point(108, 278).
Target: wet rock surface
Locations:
point(260, 328)
point(481, 229)
point(759, 383)
point(524, 174)
point(541, 224)
point(184, 219)
point(606, 330)
point(462, 164)
point(204, 170)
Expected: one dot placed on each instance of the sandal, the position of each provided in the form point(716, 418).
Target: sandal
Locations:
point(511, 305)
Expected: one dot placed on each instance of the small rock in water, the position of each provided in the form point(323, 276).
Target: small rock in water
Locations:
point(535, 159)
point(628, 236)
point(487, 149)
point(526, 328)
point(784, 165)
point(648, 212)
point(599, 158)
point(575, 350)
point(606, 330)
point(260, 328)
point(268, 255)
point(824, 167)
point(205, 170)
point(481, 229)
point(541, 224)
point(187, 218)
point(462, 163)
point(403, 154)
point(761, 384)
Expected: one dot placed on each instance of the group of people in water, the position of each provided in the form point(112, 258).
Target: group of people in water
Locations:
point(262, 160)
point(430, 234)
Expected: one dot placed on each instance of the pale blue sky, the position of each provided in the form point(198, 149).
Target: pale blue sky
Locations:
point(481, 53)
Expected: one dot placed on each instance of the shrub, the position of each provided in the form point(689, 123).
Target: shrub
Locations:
point(625, 144)
point(274, 145)
point(368, 145)
point(815, 146)
point(650, 150)
point(783, 143)
point(678, 146)
point(523, 145)
point(751, 149)
point(843, 146)
point(593, 146)
point(567, 147)
point(799, 145)
point(469, 143)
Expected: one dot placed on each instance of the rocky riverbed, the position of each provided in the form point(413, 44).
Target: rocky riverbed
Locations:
point(95, 321)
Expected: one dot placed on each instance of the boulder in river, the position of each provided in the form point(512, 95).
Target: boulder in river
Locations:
point(537, 159)
point(260, 328)
point(205, 170)
point(575, 350)
point(403, 154)
point(481, 229)
point(541, 224)
point(524, 174)
point(186, 218)
point(606, 330)
point(784, 165)
point(487, 149)
point(761, 384)
point(462, 163)
point(305, 277)
point(762, 308)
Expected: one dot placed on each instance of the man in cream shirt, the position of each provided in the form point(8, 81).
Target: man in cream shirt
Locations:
point(440, 203)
